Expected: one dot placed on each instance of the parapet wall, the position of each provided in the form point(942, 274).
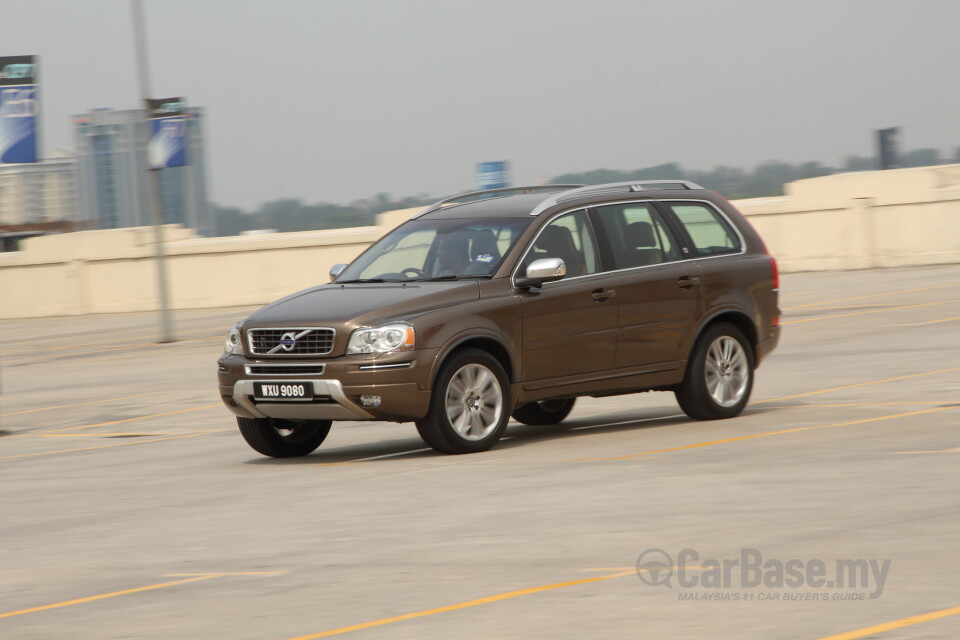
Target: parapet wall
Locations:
point(863, 220)
point(845, 221)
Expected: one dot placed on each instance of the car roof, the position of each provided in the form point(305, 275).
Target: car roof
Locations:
point(516, 202)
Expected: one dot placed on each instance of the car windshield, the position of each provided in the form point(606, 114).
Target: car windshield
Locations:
point(450, 249)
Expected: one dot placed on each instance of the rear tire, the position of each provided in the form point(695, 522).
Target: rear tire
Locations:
point(544, 412)
point(719, 375)
point(283, 438)
point(470, 404)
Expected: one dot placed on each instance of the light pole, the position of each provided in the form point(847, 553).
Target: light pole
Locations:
point(154, 197)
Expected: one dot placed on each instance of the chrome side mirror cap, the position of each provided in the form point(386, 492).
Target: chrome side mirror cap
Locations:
point(541, 271)
point(335, 270)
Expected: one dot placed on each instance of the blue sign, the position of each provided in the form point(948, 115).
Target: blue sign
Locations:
point(19, 109)
point(493, 175)
point(168, 142)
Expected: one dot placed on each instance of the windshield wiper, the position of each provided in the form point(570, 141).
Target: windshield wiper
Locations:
point(485, 276)
point(363, 280)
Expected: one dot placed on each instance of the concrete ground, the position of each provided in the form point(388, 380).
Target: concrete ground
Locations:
point(133, 509)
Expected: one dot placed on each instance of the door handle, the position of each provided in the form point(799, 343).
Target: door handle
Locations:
point(602, 294)
point(688, 281)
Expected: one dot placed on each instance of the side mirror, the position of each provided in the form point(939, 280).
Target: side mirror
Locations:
point(542, 270)
point(335, 270)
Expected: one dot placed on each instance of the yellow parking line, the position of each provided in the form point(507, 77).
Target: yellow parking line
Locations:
point(863, 313)
point(633, 456)
point(209, 343)
point(193, 577)
point(83, 353)
point(872, 404)
point(97, 435)
point(858, 384)
point(896, 624)
point(227, 573)
point(463, 605)
point(917, 324)
point(873, 295)
point(135, 419)
point(77, 404)
point(143, 347)
point(877, 305)
point(111, 446)
point(104, 596)
point(222, 328)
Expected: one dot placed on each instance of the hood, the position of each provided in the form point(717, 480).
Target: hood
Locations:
point(363, 303)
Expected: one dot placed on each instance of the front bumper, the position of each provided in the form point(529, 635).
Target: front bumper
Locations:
point(402, 381)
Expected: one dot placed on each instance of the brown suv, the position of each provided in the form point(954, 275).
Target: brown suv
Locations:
point(514, 302)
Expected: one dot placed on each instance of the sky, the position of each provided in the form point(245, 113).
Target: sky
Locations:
point(331, 101)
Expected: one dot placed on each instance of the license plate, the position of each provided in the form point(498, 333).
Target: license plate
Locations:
point(283, 390)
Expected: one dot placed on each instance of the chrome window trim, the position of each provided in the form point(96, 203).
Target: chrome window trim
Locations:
point(633, 186)
point(254, 353)
point(743, 243)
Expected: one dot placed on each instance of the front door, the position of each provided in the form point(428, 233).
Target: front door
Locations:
point(569, 326)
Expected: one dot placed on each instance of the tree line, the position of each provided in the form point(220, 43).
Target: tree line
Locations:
point(766, 179)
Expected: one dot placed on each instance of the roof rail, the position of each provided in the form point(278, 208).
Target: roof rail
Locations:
point(612, 187)
point(504, 191)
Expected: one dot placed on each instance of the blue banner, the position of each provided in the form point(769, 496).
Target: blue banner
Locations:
point(19, 109)
point(492, 175)
point(168, 142)
point(18, 124)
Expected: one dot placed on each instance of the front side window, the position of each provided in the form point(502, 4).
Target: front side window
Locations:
point(570, 238)
point(638, 236)
point(711, 234)
point(437, 250)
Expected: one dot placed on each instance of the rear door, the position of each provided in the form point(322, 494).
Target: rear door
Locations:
point(658, 291)
point(725, 274)
point(569, 326)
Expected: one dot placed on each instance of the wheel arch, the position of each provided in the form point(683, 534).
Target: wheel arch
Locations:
point(737, 318)
point(485, 342)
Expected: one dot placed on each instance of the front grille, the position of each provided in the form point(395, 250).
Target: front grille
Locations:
point(284, 369)
point(302, 341)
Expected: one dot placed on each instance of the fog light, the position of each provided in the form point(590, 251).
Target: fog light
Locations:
point(370, 401)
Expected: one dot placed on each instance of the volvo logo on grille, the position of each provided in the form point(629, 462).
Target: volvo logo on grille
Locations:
point(288, 341)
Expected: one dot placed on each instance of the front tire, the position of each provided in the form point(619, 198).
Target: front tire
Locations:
point(544, 412)
point(719, 376)
point(470, 405)
point(283, 438)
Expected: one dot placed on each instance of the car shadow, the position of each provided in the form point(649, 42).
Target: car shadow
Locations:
point(516, 435)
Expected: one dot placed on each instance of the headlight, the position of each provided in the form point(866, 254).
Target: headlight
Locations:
point(232, 343)
point(396, 336)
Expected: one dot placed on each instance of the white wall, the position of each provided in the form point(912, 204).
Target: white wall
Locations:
point(846, 221)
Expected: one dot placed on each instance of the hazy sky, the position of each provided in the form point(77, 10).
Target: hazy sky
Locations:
point(336, 100)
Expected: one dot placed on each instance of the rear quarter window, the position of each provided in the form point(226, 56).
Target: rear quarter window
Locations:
point(710, 232)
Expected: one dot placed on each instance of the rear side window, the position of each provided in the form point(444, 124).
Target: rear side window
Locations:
point(711, 234)
point(637, 235)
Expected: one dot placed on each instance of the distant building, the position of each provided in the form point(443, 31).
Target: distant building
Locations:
point(111, 151)
point(39, 192)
